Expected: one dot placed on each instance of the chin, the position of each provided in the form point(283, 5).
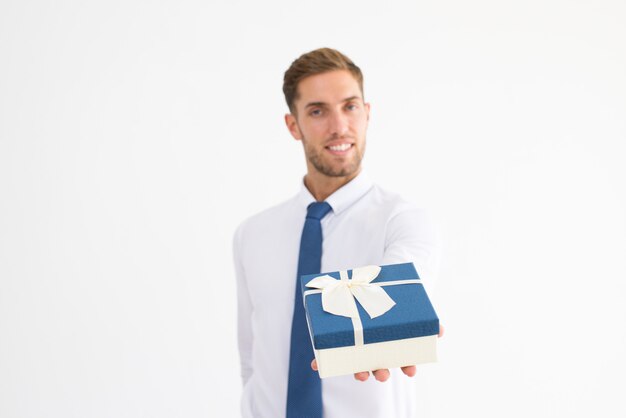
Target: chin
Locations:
point(340, 172)
point(334, 168)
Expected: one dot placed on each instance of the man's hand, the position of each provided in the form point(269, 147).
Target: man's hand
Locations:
point(382, 374)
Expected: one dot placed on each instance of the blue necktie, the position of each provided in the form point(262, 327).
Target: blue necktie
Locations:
point(304, 395)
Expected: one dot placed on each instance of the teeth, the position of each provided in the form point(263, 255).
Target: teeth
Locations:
point(341, 147)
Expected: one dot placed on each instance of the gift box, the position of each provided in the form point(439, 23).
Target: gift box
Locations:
point(369, 318)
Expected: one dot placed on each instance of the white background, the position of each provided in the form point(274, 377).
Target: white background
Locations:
point(136, 135)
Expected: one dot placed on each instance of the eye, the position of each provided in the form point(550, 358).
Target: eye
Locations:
point(315, 112)
point(352, 106)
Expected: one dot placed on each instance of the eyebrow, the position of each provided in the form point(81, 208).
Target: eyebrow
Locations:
point(324, 104)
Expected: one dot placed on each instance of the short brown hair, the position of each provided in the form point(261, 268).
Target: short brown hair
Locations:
point(319, 61)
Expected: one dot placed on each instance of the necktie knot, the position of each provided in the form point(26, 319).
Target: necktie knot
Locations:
point(317, 210)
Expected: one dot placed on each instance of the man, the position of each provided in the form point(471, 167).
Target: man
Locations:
point(358, 224)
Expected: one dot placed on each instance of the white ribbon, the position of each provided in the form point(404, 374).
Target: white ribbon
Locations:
point(338, 296)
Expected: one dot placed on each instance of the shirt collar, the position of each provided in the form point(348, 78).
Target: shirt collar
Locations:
point(343, 197)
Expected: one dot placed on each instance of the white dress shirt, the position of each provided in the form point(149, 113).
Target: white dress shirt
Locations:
point(367, 225)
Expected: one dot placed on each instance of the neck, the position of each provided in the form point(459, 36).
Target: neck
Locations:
point(322, 186)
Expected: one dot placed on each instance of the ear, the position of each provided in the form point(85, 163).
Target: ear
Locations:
point(292, 125)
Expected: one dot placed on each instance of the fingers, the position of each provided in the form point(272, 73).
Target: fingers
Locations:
point(314, 364)
point(381, 375)
point(440, 331)
point(409, 370)
point(362, 376)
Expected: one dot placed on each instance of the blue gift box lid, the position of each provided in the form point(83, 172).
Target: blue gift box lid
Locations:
point(412, 316)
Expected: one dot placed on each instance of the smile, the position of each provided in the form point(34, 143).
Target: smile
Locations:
point(340, 148)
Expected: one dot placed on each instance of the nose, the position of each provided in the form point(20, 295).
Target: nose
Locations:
point(338, 124)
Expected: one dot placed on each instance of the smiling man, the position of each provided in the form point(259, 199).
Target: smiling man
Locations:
point(329, 116)
point(339, 220)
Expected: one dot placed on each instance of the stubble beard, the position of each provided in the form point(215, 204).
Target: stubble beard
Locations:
point(325, 167)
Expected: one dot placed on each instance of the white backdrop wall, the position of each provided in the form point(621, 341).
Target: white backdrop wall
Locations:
point(136, 135)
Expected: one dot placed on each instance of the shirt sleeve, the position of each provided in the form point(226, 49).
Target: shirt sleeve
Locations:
point(412, 236)
point(244, 311)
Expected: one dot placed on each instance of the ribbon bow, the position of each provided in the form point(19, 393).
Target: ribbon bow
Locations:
point(338, 295)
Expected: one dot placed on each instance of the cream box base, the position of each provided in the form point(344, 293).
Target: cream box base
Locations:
point(374, 356)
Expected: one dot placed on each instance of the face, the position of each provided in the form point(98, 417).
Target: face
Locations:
point(330, 119)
